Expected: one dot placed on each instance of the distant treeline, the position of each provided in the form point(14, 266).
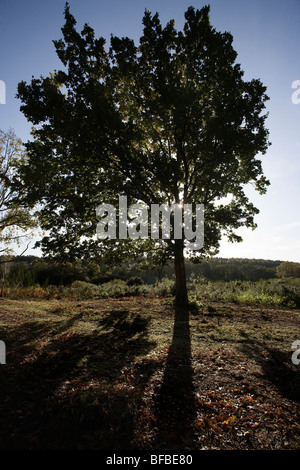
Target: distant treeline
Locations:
point(30, 270)
point(232, 269)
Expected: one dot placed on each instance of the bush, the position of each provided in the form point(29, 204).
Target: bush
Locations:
point(165, 287)
point(115, 288)
point(135, 281)
point(82, 285)
point(139, 290)
point(34, 292)
point(272, 292)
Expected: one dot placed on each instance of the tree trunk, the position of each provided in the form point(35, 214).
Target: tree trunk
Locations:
point(180, 277)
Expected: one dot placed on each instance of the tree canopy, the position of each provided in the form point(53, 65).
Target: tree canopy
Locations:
point(167, 121)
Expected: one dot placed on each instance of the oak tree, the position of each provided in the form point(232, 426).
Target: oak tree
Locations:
point(167, 121)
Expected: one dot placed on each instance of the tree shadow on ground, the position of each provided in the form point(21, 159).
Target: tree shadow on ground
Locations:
point(277, 367)
point(174, 405)
point(58, 387)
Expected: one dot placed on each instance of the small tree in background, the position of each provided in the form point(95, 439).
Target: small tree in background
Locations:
point(15, 219)
point(288, 269)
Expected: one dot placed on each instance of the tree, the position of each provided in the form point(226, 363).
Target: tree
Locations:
point(170, 120)
point(288, 269)
point(15, 219)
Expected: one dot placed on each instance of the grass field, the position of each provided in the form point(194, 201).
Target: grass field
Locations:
point(120, 373)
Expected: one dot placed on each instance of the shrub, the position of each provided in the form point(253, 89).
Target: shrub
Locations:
point(272, 292)
point(80, 290)
point(81, 284)
point(139, 290)
point(35, 292)
point(135, 281)
point(165, 287)
point(115, 288)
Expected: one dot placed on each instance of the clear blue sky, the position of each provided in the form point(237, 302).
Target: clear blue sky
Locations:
point(267, 39)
